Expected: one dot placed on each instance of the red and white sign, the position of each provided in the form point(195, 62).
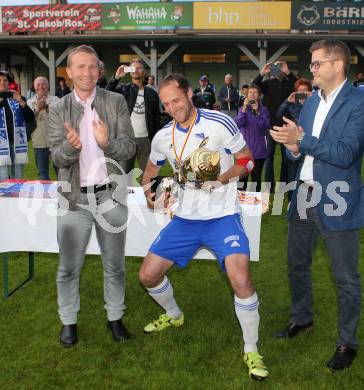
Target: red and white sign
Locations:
point(51, 18)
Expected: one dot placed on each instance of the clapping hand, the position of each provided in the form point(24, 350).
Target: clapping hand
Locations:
point(72, 136)
point(40, 104)
point(100, 132)
point(288, 134)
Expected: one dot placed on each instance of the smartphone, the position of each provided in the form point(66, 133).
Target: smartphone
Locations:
point(300, 95)
point(6, 95)
point(129, 69)
point(275, 69)
point(252, 102)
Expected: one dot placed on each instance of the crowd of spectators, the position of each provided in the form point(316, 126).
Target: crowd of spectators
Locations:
point(274, 93)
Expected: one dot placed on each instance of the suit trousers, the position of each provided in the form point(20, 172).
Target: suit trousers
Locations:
point(343, 251)
point(73, 234)
point(143, 145)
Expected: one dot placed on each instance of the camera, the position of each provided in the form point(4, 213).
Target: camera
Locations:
point(129, 69)
point(6, 95)
point(300, 96)
point(275, 69)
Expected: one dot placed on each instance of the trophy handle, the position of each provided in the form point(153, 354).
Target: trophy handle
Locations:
point(203, 142)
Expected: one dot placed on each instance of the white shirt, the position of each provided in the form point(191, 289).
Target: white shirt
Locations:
point(224, 137)
point(138, 116)
point(92, 162)
point(323, 109)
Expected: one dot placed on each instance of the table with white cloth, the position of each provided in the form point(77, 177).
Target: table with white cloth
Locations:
point(28, 224)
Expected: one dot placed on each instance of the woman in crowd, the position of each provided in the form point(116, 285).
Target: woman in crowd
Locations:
point(63, 88)
point(291, 109)
point(253, 122)
point(17, 121)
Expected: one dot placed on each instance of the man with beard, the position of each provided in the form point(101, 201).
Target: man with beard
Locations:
point(144, 109)
point(206, 216)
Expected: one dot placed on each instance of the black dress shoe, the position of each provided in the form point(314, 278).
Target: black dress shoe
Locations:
point(343, 357)
point(292, 329)
point(68, 336)
point(118, 330)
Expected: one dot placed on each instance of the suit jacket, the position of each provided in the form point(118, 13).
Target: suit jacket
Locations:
point(338, 154)
point(112, 109)
point(233, 93)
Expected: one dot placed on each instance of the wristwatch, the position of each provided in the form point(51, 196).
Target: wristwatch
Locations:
point(299, 140)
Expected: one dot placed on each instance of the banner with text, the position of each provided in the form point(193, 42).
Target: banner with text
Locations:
point(109, 1)
point(308, 15)
point(147, 16)
point(242, 16)
point(51, 18)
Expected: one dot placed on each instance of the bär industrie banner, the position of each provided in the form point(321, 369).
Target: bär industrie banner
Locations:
point(327, 15)
point(51, 18)
point(147, 16)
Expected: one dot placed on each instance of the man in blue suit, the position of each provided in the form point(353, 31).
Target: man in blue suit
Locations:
point(329, 194)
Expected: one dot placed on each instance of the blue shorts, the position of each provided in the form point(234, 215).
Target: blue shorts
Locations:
point(181, 239)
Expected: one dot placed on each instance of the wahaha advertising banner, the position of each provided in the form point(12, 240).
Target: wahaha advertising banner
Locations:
point(147, 16)
point(51, 18)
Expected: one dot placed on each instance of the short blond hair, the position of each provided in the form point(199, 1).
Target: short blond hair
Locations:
point(82, 49)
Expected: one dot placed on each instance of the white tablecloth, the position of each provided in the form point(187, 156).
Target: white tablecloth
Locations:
point(29, 225)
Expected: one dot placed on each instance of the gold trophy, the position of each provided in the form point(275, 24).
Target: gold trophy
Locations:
point(167, 184)
point(200, 166)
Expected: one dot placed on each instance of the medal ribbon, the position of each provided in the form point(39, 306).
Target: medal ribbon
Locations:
point(178, 158)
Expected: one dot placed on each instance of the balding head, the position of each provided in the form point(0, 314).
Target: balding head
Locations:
point(228, 79)
point(41, 86)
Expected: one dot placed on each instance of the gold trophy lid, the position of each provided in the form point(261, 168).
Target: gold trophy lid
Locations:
point(202, 165)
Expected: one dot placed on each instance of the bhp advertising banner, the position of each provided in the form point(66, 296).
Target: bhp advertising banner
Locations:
point(242, 16)
point(51, 18)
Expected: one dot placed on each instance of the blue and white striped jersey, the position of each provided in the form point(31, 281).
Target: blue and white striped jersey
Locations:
point(224, 137)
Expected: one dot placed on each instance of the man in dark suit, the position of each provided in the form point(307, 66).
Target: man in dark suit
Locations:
point(329, 196)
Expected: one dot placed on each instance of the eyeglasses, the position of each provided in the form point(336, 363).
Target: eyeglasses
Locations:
point(316, 64)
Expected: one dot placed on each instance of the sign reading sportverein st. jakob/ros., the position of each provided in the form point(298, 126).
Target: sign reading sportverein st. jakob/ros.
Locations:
point(327, 15)
point(51, 18)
